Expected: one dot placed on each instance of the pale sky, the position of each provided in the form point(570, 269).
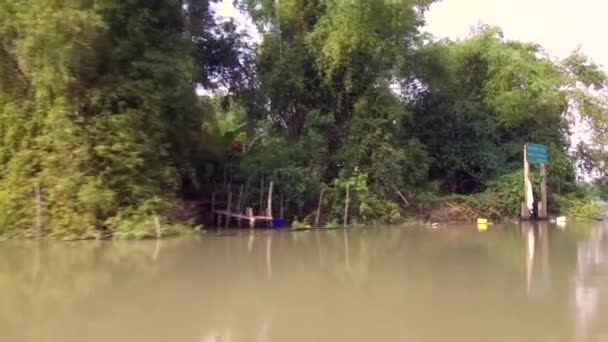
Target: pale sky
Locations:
point(560, 26)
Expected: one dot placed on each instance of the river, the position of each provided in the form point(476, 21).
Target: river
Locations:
point(509, 283)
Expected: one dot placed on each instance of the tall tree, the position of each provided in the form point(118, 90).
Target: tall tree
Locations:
point(479, 100)
point(97, 106)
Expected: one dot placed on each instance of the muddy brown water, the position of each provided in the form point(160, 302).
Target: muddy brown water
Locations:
point(510, 283)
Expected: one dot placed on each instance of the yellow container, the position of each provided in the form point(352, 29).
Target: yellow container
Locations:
point(482, 221)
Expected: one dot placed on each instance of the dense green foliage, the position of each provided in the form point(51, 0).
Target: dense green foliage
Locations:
point(98, 109)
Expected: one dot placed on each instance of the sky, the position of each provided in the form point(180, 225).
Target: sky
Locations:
point(560, 26)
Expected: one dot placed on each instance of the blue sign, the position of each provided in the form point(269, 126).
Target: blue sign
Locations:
point(537, 154)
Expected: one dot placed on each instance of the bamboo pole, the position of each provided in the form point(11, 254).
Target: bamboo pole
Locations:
point(228, 205)
point(38, 201)
point(249, 211)
point(318, 215)
point(157, 226)
point(213, 207)
point(225, 175)
point(246, 192)
point(346, 203)
point(239, 204)
point(240, 200)
point(269, 205)
point(261, 195)
point(219, 220)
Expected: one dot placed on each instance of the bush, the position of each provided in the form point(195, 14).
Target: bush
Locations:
point(580, 206)
point(366, 205)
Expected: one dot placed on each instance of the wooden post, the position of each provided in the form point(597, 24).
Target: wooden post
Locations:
point(346, 202)
point(525, 211)
point(249, 211)
point(261, 195)
point(38, 200)
point(239, 204)
point(157, 226)
point(282, 208)
point(213, 206)
point(225, 175)
point(542, 212)
point(269, 205)
point(246, 192)
point(318, 215)
point(228, 205)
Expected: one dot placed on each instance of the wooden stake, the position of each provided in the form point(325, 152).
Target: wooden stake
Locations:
point(261, 195)
point(225, 175)
point(157, 226)
point(346, 203)
point(318, 215)
point(38, 200)
point(542, 213)
point(246, 191)
point(525, 211)
point(282, 210)
point(240, 203)
point(213, 205)
point(228, 205)
point(269, 206)
point(249, 211)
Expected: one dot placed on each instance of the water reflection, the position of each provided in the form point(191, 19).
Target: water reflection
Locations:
point(538, 278)
point(590, 282)
point(509, 283)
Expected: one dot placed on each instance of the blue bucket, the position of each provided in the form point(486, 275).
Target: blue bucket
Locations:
point(278, 223)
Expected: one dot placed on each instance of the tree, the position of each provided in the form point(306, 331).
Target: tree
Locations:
point(97, 106)
point(491, 97)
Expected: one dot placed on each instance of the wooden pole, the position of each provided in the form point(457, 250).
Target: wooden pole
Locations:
point(246, 191)
point(225, 175)
point(213, 206)
point(249, 211)
point(542, 213)
point(525, 211)
point(269, 205)
point(240, 203)
point(157, 226)
point(228, 205)
point(282, 210)
point(346, 203)
point(38, 200)
point(318, 215)
point(261, 195)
